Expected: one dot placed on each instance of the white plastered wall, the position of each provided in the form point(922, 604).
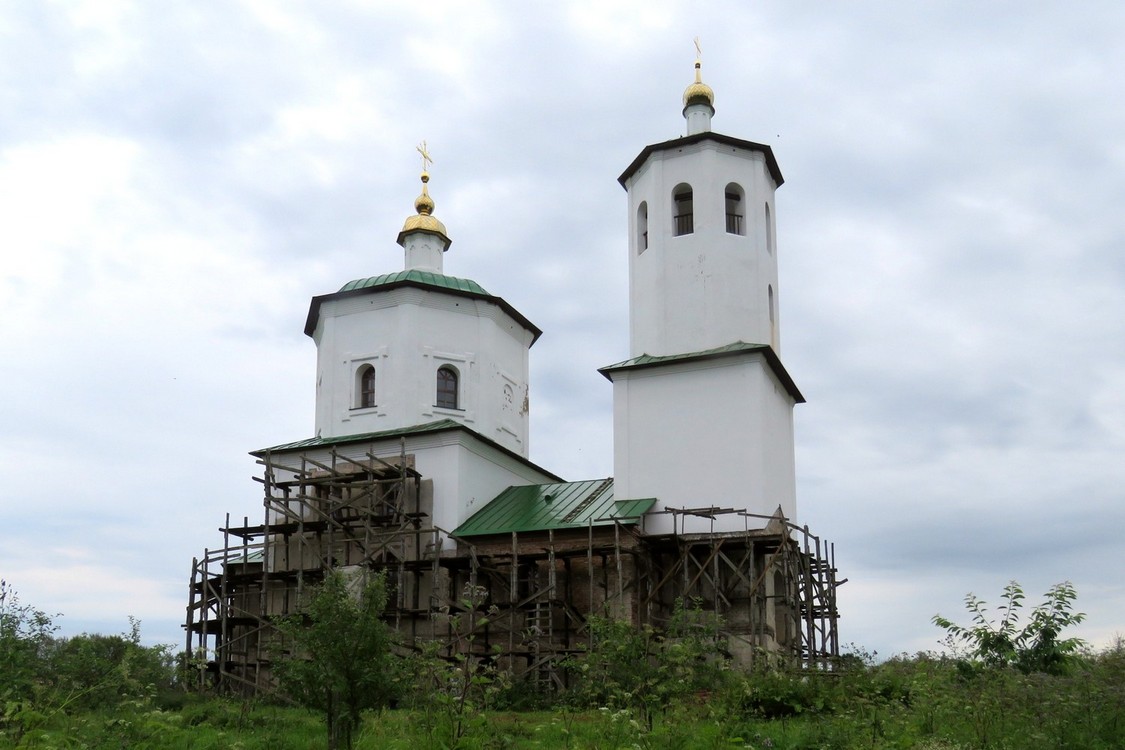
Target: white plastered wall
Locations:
point(709, 433)
point(709, 288)
point(407, 334)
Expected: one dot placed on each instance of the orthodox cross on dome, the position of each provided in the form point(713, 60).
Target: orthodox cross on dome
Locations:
point(698, 93)
point(419, 254)
point(424, 205)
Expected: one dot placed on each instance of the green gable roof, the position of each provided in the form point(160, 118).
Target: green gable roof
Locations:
point(563, 505)
point(729, 350)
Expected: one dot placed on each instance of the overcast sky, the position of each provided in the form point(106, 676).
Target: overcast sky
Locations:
point(178, 179)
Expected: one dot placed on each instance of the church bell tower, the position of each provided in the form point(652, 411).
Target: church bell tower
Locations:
point(703, 409)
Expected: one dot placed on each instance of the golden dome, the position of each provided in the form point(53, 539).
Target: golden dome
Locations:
point(699, 92)
point(424, 204)
point(424, 220)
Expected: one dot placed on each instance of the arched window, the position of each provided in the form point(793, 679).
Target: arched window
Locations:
point(446, 387)
point(769, 231)
point(736, 223)
point(683, 218)
point(365, 387)
point(642, 227)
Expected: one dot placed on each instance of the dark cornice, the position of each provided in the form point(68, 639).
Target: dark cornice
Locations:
point(688, 140)
point(739, 349)
point(513, 313)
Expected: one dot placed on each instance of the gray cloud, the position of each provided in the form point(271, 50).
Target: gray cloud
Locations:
point(177, 183)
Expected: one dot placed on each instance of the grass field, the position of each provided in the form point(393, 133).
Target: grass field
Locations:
point(1011, 683)
point(917, 702)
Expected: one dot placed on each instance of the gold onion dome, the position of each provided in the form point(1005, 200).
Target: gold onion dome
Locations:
point(424, 220)
point(699, 92)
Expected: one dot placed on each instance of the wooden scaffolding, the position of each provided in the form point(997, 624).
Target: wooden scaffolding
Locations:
point(521, 600)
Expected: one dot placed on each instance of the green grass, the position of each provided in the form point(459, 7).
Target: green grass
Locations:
point(920, 702)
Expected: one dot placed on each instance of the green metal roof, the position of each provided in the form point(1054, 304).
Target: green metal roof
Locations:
point(415, 278)
point(649, 359)
point(729, 350)
point(419, 277)
point(316, 442)
point(563, 505)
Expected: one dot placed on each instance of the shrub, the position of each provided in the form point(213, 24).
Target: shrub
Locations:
point(452, 692)
point(646, 670)
point(98, 671)
point(25, 639)
point(1033, 646)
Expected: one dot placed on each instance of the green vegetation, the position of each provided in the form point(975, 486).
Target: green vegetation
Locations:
point(339, 658)
point(635, 689)
point(643, 671)
point(450, 695)
point(50, 685)
point(1031, 647)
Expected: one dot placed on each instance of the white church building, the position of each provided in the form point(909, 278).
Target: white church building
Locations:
point(419, 463)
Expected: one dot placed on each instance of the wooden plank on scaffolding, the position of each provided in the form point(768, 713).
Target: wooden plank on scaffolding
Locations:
point(204, 612)
point(222, 648)
point(191, 605)
point(551, 586)
point(688, 585)
point(807, 575)
point(513, 594)
point(620, 570)
point(671, 572)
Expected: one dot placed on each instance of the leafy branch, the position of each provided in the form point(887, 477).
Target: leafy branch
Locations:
point(1031, 645)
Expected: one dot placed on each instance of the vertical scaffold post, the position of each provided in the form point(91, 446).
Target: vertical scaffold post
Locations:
point(590, 577)
point(832, 601)
point(205, 610)
point(717, 588)
point(191, 605)
point(806, 573)
point(513, 597)
point(302, 541)
point(552, 593)
point(620, 567)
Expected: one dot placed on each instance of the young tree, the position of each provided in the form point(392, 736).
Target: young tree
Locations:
point(25, 637)
point(340, 660)
point(1034, 645)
